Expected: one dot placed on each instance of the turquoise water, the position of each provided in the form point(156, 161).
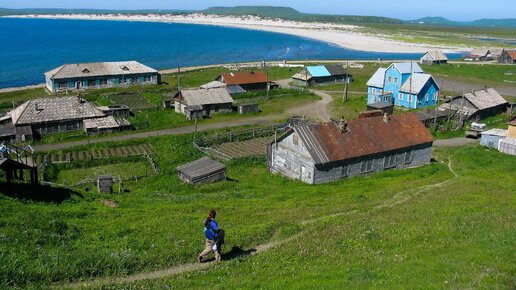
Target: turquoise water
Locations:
point(30, 47)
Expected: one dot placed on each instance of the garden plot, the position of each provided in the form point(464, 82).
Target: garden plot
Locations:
point(134, 101)
point(123, 171)
point(254, 147)
point(97, 153)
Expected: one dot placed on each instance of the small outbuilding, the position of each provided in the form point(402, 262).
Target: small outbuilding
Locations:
point(105, 183)
point(314, 75)
point(508, 146)
point(428, 117)
point(105, 125)
point(434, 57)
point(491, 138)
point(386, 107)
point(248, 108)
point(117, 111)
point(478, 55)
point(512, 128)
point(204, 170)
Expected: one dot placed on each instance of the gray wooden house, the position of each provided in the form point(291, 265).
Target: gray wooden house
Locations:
point(204, 170)
point(39, 117)
point(100, 75)
point(434, 57)
point(478, 104)
point(508, 57)
point(247, 80)
point(206, 101)
point(319, 153)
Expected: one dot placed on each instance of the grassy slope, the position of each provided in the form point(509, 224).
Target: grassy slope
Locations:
point(158, 224)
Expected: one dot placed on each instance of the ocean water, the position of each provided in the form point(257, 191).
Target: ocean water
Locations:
point(30, 47)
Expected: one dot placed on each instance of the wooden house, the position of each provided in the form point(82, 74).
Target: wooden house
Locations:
point(319, 153)
point(479, 104)
point(247, 80)
point(314, 75)
point(232, 89)
point(44, 116)
point(206, 101)
point(204, 170)
point(434, 57)
point(508, 57)
point(403, 84)
point(478, 55)
point(100, 75)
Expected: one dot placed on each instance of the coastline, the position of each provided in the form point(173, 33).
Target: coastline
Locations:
point(346, 36)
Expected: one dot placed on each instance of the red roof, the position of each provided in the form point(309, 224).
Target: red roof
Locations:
point(326, 143)
point(512, 54)
point(244, 77)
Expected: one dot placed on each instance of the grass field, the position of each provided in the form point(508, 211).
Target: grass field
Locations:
point(461, 232)
point(123, 170)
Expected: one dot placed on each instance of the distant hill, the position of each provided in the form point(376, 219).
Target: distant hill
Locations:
point(292, 14)
point(501, 23)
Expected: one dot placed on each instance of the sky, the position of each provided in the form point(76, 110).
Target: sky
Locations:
point(459, 10)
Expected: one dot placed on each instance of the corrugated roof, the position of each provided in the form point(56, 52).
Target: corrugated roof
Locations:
point(378, 79)
point(96, 69)
point(244, 77)
point(484, 99)
point(214, 85)
point(367, 136)
point(405, 67)
point(496, 132)
point(318, 71)
point(204, 97)
point(512, 54)
point(108, 122)
point(53, 109)
point(234, 90)
point(416, 82)
point(200, 168)
point(336, 69)
point(437, 55)
point(479, 52)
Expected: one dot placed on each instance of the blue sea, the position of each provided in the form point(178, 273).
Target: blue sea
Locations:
point(30, 47)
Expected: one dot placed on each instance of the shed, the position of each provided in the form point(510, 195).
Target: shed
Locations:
point(313, 75)
point(204, 170)
point(247, 108)
point(383, 106)
point(105, 183)
point(434, 57)
point(248, 80)
point(117, 111)
point(108, 124)
point(211, 100)
point(428, 117)
point(491, 138)
point(194, 112)
point(508, 146)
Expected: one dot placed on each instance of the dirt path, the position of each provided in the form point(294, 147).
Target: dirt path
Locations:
point(398, 198)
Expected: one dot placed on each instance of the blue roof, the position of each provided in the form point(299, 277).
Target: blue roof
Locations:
point(404, 67)
point(318, 71)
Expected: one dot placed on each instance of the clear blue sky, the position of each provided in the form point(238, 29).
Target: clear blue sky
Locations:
point(403, 9)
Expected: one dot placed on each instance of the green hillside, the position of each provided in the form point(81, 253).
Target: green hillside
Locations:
point(500, 23)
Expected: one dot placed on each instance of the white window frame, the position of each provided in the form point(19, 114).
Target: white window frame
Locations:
point(390, 80)
point(427, 97)
point(344, 171)
point(410, 98)
point(395, 80)
point(374, 91)
point(390, 161)
point(366, 166)
point(400, 96)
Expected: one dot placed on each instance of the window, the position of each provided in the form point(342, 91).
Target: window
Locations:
point(427, 97)
point(434, 96)
point(419, 100)
point(409, 156)
point(52, 129)
point(62, 85)
point(390, 80)
point(72, 127)
point(410, 98)
point(345, 171)
point(389, 161)
point(103, 82)
point(147, 79)
point(395, 80)
point(374, 91)
point(400, 96)
point(366, 166)
point(91, 83)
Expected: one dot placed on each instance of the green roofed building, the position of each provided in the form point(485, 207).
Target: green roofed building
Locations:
point(314, 75)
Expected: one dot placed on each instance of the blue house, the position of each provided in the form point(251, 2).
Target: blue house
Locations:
point(404, 85)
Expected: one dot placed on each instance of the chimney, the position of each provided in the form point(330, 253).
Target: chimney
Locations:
point(343, 125)
point(386, 117)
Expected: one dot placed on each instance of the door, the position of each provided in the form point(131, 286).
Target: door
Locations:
point(77, 85)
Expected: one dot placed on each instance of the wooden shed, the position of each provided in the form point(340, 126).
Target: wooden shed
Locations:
point(204, 170)
point(247, 108)
point(105, 183)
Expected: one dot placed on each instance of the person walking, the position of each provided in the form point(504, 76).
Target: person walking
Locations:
point(214, 238)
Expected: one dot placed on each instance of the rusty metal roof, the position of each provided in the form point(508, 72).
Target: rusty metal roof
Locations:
point(368, 136)
point(244, 77)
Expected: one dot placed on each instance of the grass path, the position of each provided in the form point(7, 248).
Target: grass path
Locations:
point(398, 198)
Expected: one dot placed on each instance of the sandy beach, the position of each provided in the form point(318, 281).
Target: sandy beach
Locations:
point(346, 36)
